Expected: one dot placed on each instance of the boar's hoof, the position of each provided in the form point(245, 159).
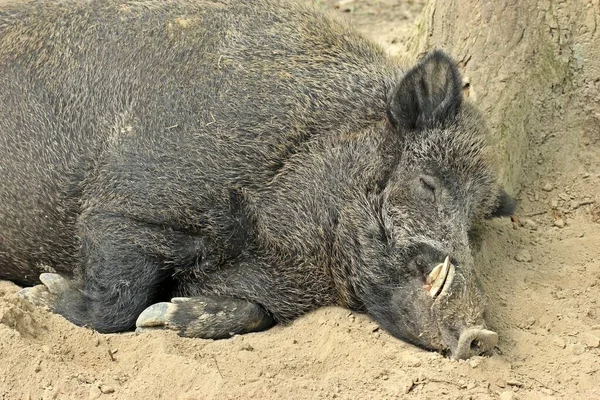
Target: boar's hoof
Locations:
point(474, 342)
point(44, 295)
point(206, 317)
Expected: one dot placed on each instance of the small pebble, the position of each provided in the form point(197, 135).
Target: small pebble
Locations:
point(559, 222)
point(590, 340)
point(474, 362)
point(559, 342)
point(514, 382)
point(246, 347)
point(523, 256)
point(107, 389)
point(548, 187)
point(373, 327)
point(95, 392)
point(345, 5)
point(577, 349)
point(529, 223)
point(507, 395)
point(406, 385)
point(412, 361)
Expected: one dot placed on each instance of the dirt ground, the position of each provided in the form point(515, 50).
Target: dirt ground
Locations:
point(541, 273)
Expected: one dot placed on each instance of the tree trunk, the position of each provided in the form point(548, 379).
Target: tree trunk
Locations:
point(533, 67)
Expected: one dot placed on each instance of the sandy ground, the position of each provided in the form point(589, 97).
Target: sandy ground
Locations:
point(541, 272)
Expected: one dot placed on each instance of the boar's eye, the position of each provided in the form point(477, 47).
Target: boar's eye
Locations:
point(428, 187)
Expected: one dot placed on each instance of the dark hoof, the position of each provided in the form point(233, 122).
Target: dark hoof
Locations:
point(45, 295)
point(205, 317)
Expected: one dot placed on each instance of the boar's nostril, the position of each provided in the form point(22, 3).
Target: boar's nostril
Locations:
point(475, 341)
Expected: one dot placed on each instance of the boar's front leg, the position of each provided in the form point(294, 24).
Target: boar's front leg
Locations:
point(206, 317)
point(124, 266)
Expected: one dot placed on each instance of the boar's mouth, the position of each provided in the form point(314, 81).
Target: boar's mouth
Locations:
point(472, 341)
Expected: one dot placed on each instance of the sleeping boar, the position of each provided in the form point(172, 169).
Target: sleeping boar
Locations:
point(217, 167)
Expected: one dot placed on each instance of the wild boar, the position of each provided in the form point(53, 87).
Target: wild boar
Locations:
point(250, 160)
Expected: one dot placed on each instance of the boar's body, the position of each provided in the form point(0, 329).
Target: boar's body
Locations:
point(150, 130)
point(254, 152)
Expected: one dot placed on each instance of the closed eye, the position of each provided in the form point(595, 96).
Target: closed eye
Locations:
point(428, 187)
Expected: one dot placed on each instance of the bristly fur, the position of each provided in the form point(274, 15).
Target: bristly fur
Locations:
point(257, 150)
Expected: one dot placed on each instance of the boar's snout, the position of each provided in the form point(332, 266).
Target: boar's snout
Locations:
point(437, 305)
point(458, 306)
point(474, 342)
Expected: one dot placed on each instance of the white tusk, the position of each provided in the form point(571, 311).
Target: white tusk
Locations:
point(449, 280)
point(441, 278)
point(434, 274)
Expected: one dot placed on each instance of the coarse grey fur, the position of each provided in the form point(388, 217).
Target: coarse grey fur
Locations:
point(257, 151)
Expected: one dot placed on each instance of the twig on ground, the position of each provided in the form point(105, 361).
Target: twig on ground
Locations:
point(217, 365)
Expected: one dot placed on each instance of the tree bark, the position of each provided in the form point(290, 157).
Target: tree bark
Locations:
point(533, 67)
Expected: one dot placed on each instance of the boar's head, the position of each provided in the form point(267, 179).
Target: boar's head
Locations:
point(423, 288)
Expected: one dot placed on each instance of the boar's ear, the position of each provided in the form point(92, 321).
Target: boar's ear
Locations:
point(505, 206)
point(429, 95)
